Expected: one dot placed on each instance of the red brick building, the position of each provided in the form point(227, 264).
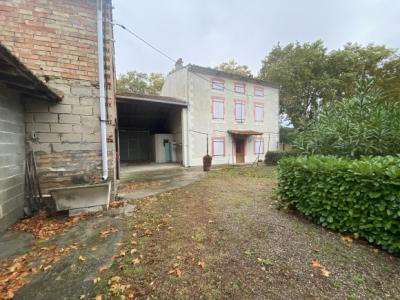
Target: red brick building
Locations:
point(58, 41)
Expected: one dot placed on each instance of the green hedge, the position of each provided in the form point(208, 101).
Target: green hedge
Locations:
point(358, 196)
point(273, 157)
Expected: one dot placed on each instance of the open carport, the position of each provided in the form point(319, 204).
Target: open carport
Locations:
point(150, 129)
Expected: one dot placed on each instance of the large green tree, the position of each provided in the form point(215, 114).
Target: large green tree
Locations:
point(312, 78)
point(140, 83)
point(231, 66)
point(366, 124)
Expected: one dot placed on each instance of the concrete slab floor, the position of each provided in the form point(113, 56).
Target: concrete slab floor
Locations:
point(151, 181)
point(131, 168)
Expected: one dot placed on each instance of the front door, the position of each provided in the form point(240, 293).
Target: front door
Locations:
point(239, 145)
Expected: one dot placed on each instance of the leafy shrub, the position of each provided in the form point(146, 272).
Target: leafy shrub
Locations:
point(272, 157)
point(358, 196)
point(367, 124)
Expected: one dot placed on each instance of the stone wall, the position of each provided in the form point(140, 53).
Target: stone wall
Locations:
point(12, 157)
point(57, 40)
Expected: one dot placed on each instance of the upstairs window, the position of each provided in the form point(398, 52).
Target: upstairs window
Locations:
point(258, 145)
point(259, 112)
point(218, 146)
point(259, 91)
point(239, 88)
point(217, 84)
point(240, 111)
point(218, 110)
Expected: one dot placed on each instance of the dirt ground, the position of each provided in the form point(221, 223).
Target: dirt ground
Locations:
point(223, 238)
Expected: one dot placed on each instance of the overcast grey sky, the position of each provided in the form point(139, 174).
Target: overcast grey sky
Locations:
point(208, 32)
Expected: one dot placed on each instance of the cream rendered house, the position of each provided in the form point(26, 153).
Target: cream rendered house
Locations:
point(234, 117)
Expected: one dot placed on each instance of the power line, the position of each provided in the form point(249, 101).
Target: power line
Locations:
point(174, 60)
point(147, 43)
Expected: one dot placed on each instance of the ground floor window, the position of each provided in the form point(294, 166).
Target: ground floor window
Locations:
point(218, 146)
point(258, 145)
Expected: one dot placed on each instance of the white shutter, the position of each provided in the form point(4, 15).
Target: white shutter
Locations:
point(259, 146)
point(259, 113)
point(240, 113)
point(218, 146)
point(218, 109)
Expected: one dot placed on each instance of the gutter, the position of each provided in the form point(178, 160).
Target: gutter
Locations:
point(102, 100)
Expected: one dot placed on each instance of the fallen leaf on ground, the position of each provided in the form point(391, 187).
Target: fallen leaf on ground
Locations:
point(81, 258)
point(316, 265)
point(99, 297)
point(93, 248)
point(101, 269)
point(135, 261)
point(46, 268)
point(82, 296)
point(133, 251)
point(115, 279)
point(96, 280)
point(202, 264)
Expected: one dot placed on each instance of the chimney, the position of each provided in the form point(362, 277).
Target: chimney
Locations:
point(179, 64)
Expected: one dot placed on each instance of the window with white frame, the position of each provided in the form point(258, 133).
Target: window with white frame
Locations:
point(259, 112)
point(217, 84)
point(218, 146)
point(240, 111)
point(259, 91)
point(218, 109)
point(239, 88)
point(258, 146)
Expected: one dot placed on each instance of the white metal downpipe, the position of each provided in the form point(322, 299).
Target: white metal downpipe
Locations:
point(102, 102)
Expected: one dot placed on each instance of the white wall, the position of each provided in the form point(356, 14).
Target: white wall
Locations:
point(200, 119)
point(196, 89)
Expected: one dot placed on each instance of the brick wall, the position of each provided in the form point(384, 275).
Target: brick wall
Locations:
point(57, 40)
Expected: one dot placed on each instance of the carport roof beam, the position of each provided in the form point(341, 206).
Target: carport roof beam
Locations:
point(151, 98)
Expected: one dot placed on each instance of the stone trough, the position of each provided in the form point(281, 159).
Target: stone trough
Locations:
point(82, 198)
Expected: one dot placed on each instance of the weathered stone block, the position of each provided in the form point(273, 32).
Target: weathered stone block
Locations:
point(71, 137)
point(66, 147)
point(62, 128)
point(69, 99)
point(61, 108)
point(49, 137)
point(46, 117)
point(70, 119)
point(88, 100)
point(82, 129)
point(82, 110)
point(81, 91)
point(37, 127)
point(41, 147)
point(91, 137)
